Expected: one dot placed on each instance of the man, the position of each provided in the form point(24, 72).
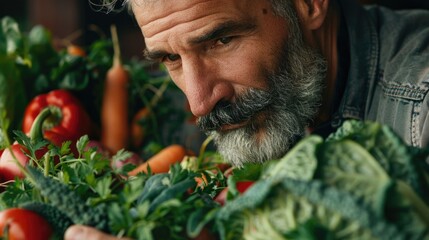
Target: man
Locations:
point(260, 74)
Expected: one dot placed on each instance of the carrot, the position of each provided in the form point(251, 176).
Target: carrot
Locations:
point(76, 50)
point(114, 110)
point(137, 129)
point(161, 162)
point(201, 181)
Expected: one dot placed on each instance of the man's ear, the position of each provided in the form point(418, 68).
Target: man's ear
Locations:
point(312, 13)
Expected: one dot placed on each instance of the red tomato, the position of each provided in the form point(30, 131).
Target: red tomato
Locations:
point(243, 186)
point(134, 159)
point(221, 197)
point(24, 224)
point(8, 167)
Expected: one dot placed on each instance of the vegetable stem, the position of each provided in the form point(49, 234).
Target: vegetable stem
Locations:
point(46, 165)
point(203, 149)
point(36, 131)
point(116, 48)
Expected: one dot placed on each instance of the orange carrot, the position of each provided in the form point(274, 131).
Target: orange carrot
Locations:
point(161, 162)
point(137, 129)
point(75, 50)
point(114, 110)
point(201, 181)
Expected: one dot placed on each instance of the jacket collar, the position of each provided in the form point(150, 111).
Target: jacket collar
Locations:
point(363, 49)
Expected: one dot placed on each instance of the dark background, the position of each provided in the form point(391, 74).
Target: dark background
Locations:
point(399, 4)
point(77, 22)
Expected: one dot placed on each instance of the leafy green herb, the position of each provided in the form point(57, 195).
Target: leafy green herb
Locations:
point(88, 191)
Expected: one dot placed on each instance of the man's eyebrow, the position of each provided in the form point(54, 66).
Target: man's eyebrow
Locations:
point(223, 30)
point(154, 55)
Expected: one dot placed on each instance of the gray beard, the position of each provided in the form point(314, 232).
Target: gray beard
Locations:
point(277, 117)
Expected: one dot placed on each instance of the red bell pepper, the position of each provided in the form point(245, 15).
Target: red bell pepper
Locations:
point(68, 121)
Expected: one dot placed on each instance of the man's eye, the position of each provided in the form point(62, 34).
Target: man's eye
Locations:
point(172, 57)
point(224, 40)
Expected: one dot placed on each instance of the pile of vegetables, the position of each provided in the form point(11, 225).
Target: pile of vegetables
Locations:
point(75, 111)
point(361, 182)
point(32, 65)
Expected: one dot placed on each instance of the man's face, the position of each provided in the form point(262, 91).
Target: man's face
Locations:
point(251, 85)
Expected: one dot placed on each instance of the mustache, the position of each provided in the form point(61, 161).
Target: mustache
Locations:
point(228, 113)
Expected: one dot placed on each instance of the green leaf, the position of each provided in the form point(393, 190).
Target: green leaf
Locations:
point(198, 219)
point(4, 126)
point(121, 155)
point(311, 229)
point(31, 145)
point(389, 150)
point(12, 95)
point(407, 211)
point(40, 43)
point(153, 187)
point(103, 186)
point(73, 80)
point(119, 219)
point(82, 143)
point(11, 40)
point(299, 163)
point(348, 166)
point(272, 209)
point(175, 191)
point(65, 147)
point(249, 172)
point(16, 193)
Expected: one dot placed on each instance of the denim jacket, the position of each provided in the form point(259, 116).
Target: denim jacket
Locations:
point(388, 74)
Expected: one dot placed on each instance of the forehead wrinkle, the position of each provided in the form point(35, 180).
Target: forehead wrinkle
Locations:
point(168, 38)
point(224, 26)
point(175, 17)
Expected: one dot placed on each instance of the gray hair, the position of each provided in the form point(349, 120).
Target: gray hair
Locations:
point(108, 6)
point(286, 10)
point(281, 7)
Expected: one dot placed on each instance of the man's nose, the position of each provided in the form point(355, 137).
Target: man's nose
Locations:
point(202, 87)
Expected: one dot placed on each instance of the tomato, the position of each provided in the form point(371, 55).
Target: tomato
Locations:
point(221, 196)
point(8, 167)
point(23, 224)
point(243, 186)
point(134, 159)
